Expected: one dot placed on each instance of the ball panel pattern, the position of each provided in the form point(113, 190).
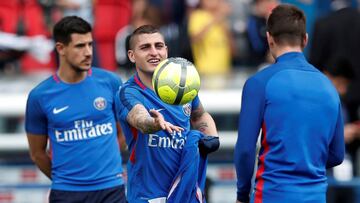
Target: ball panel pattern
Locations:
point(176, 81)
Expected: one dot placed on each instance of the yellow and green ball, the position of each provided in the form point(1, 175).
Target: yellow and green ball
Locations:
point(176, 81)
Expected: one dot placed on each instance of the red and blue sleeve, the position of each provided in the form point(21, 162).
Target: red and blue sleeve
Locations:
point(250, 121)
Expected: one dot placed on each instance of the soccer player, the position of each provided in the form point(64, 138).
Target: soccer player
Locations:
point(156, 132)
point(74, 109)
point(299, 112)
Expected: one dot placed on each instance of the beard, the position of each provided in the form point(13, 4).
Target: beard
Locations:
point(79, 69)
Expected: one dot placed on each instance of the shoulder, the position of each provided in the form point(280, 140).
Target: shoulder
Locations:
point(264, 74)
point(42, 87)
point(130, 87)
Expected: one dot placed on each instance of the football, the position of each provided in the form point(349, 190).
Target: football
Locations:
point(176, 81)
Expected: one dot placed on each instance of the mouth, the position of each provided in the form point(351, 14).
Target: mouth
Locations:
point(87, 62)
point(154, 61)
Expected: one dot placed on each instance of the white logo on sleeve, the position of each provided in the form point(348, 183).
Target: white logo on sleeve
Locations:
point(158, 110)
point(56, 111)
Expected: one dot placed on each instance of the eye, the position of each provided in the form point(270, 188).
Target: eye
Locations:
point(159, 45)
point(144, 47)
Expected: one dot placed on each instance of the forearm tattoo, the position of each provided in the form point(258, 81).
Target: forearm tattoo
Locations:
point(197, 113)
point(140, 118)
point(147, 124)
point(202, 127)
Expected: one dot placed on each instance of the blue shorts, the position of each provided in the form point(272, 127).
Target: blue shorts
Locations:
point(109, 195)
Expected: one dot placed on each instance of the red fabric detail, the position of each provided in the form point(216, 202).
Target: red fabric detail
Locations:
point(56, 78)
point(50, 151)
point(106, 53)
point(29, 175)
point(138, 82)
point(30, 65)
point(261, 169)
point(133, 152)
point(110, 17)
point(6, 197)
point(227, 174)
point(34, 24)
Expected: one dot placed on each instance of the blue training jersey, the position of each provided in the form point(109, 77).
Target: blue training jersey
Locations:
point(79, 120)
point(154, 158)
point(299, 112)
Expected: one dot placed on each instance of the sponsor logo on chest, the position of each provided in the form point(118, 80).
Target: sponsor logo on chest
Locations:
point(176, 141)
point(83, 130)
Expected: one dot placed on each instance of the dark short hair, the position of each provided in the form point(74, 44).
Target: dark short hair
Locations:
point(69, 25)
point(287, 25)
point(144, 29)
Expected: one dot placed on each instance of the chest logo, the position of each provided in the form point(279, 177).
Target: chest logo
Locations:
point(56, 111)
point(187, 109)
point(100, 103)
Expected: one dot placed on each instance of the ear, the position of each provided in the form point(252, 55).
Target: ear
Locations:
point(270, 39)
point(167, 51)
point(305, 40)
point(60, 48)
point(131, 55)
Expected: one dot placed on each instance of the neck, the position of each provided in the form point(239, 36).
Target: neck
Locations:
point(280, 50)
point(69, 75)
point(146, 79)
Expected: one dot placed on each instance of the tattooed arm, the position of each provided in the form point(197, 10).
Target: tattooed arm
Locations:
point(149, 122)
point(202, 121)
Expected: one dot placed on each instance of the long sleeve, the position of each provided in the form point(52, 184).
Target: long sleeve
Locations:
point(250, 121)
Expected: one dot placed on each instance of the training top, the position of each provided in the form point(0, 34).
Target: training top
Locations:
point(79, 120)
point(154, 158)
point(299, 112)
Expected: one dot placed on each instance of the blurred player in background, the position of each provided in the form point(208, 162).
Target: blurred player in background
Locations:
point(74, 109)
point(299, 112)
point(157, 133)
point(341, 74)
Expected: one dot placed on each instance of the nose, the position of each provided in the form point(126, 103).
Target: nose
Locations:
point(88, 50)
point(153, 50)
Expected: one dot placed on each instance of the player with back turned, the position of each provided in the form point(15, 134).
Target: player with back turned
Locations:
point(74, 110)
point(299, 113)
point(157, 133)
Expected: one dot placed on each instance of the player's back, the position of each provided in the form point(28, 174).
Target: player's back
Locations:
point(300, 118)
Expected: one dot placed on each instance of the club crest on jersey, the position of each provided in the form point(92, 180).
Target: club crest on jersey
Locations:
point(187, 109)
point(100, 103)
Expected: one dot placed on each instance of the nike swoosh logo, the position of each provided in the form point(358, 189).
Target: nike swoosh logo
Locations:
point(56, 111)
point(158, 110)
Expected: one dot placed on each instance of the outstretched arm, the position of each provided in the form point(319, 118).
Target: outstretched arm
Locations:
point(149, 122)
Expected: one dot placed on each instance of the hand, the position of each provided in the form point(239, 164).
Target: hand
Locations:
point(351, 132)
point(160, 121)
